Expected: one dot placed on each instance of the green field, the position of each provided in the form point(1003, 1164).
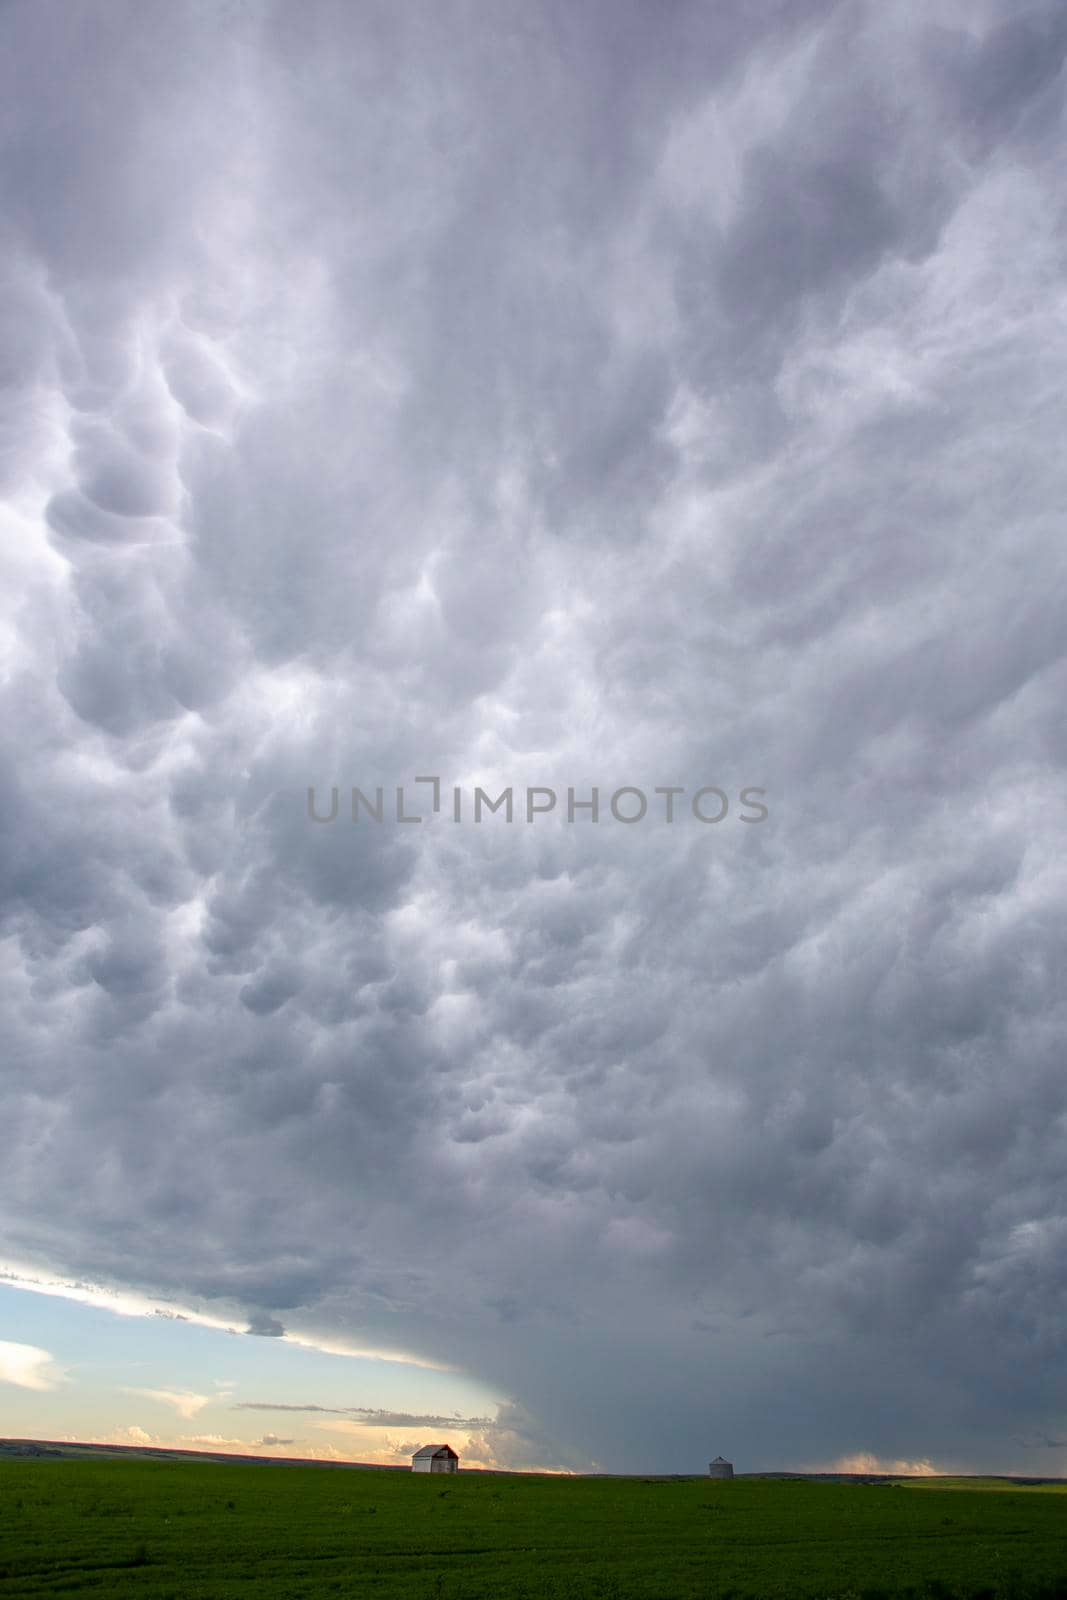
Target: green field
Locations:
point(189, 1530)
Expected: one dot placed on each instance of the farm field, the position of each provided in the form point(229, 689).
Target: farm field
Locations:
point(191, 1531)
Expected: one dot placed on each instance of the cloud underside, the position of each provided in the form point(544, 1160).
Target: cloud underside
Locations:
point(569, 397)
point(375, 1416)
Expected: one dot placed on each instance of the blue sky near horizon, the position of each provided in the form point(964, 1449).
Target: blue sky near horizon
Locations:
point(100, 1359)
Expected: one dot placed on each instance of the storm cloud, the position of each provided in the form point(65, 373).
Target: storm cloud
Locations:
point(556, 395)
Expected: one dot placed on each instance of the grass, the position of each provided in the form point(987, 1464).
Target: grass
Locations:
point(190, 1531)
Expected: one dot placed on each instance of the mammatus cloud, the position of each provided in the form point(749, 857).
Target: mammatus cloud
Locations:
point(28, 1367)
point(595, 395)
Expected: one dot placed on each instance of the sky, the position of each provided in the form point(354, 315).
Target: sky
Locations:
point(543, 399)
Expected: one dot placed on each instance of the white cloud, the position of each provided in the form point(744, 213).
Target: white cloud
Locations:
point(865, 1461)
point(185, 1402)
point(29, 1367)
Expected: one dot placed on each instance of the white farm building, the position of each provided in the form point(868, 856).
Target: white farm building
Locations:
point(720, 1468)
point(435, 1458)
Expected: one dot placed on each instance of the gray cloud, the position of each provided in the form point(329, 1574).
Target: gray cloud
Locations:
point(568, 396)
point(265, 1326)
point(374, 1415)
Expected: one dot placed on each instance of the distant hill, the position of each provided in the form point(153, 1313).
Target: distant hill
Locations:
point(65, 1450)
